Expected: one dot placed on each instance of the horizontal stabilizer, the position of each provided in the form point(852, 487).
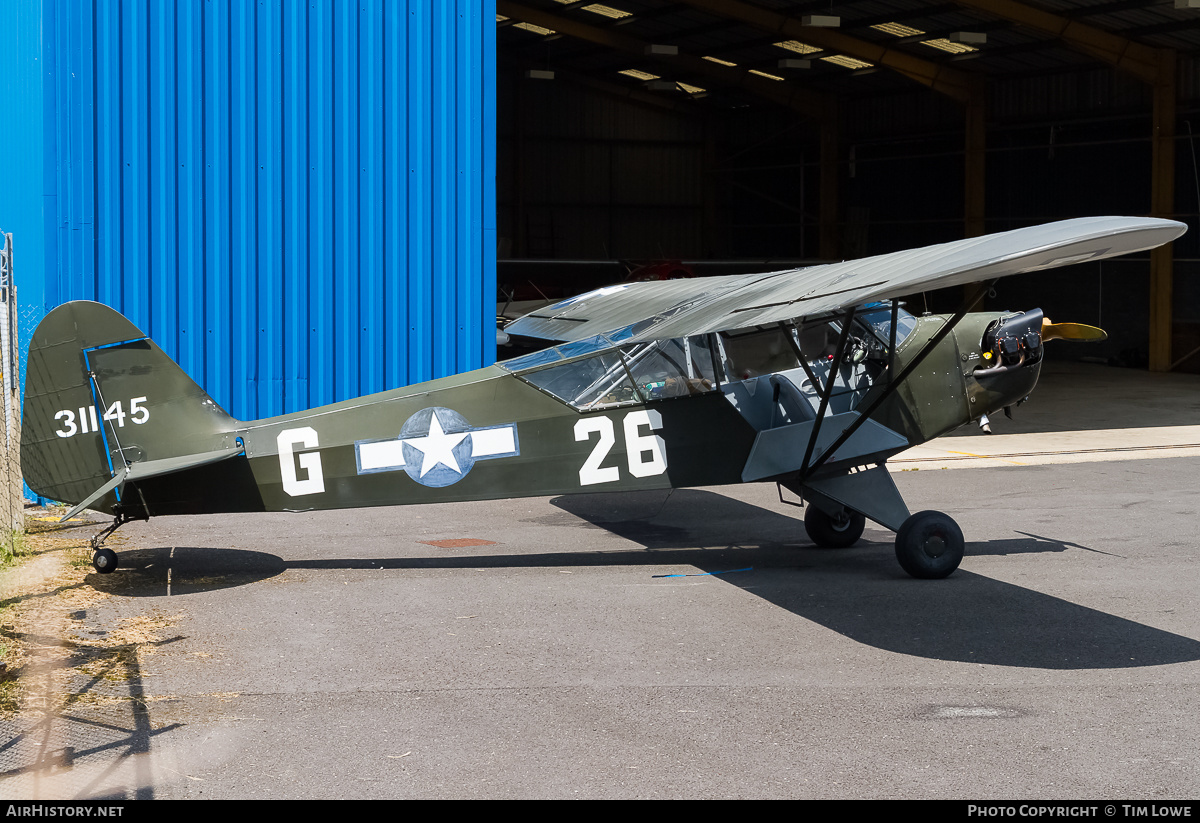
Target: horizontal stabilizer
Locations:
point(117, 480)
point(154, 468)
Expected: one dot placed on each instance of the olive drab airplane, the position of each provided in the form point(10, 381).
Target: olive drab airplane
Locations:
point(810, 378)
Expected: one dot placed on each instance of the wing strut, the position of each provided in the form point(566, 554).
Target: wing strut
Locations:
point(834, 367)
point(893, 384)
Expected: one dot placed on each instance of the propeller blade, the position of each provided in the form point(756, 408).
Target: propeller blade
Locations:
point(1071, 331)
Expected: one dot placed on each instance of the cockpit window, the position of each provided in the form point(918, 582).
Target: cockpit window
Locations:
point(633, 374)
point(594, 373)
point(593, 382)
point(758, 352)
point(672, 368)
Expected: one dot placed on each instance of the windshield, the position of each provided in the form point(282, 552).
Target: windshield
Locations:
point(878, 318)
point(555, 353)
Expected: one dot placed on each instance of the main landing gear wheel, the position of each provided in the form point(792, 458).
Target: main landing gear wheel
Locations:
point(930, 545)
point(833, 532)
point(105, 561)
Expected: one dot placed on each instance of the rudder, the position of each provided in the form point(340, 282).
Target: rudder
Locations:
point(100, 398)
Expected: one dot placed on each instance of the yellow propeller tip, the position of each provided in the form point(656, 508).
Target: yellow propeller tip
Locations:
point(1072, 331)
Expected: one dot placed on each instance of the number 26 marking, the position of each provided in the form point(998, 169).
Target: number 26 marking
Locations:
point(645, 453)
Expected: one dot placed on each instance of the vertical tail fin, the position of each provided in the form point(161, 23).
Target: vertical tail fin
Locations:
point(101, 400)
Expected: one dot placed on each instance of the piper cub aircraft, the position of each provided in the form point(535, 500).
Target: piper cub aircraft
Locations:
point(810, 378)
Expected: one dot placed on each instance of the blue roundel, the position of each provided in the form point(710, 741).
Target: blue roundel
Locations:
point(437, 446)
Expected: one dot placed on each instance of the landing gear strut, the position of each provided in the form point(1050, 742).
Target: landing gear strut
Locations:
point(104, 560)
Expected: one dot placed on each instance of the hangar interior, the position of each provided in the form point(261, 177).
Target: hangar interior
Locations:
point(774, 132)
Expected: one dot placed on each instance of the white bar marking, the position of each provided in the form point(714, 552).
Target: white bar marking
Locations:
point(386, 454)
point(487, 442)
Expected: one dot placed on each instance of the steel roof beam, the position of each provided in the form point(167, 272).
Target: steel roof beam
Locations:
point(823, 107)
point(1128, 55)
point(667, 102)
point(958, 85)
point(788, 95)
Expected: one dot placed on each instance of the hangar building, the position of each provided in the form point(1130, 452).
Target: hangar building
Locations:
point(306, 202)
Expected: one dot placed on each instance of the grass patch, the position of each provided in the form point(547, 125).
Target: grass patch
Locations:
point(50, 658)
point(25, 580)
point(10, 697)
point(14, 545)
point(9, 692)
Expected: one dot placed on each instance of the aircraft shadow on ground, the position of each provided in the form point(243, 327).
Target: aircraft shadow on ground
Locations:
point(859, 592)
point(863, 594)
point(149, 572)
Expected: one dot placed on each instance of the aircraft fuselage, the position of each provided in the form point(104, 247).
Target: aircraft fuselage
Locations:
point(488, 434)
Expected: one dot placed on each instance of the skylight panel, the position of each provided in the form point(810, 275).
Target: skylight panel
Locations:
point(640, 75)
point(601, 9)
point(943, 43)
point(946, 45)
point(719, 60)
point(897, 29)
point(764, 74)
point(847, 62)
point(797, 46)
point(531, 27)
point(607, 11)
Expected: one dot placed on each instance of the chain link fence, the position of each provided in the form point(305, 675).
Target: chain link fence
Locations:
point(12, 498)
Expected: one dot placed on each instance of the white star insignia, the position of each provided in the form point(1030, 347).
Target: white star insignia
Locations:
point(437, 447)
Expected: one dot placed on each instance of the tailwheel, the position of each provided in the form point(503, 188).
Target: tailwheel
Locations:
point(930, 545)
point(833, 532)
point(105, 561)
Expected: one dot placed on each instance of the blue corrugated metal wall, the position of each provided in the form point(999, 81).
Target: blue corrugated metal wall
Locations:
point(295, 199)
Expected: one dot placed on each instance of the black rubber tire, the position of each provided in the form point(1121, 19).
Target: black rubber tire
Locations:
point(828, 533)
point(930, 545)
point(104, 561)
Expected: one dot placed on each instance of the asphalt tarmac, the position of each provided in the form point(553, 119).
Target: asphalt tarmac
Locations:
point(685, 645)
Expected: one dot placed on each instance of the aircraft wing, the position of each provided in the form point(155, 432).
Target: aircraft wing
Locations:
point(680, 308)
point(612, 307)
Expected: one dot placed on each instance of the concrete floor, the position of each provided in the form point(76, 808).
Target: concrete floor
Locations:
point(683, 645)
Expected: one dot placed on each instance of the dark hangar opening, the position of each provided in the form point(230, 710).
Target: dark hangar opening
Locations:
point(713, 136)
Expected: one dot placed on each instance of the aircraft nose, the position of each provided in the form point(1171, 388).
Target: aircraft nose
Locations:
point(1011, 342)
